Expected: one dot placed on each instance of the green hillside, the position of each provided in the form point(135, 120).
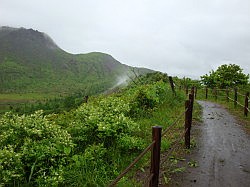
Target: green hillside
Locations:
point(93, 143)
point(31, 62)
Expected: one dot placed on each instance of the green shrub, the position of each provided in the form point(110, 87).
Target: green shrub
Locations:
point(146, 97)
point(11, 168)
point(88, 146)
point(37, 150)
point(101, 122)
point(128, 143)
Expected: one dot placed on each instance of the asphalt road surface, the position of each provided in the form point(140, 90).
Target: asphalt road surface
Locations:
point(223, 153)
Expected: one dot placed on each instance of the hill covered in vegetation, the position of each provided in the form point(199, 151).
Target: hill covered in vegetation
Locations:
point(30, 61)
point(91, 144)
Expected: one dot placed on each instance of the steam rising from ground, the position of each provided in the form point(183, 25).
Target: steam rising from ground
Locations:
point(121, 81)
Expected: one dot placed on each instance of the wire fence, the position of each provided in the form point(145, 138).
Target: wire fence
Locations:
point(157, 159)
point(234, 96)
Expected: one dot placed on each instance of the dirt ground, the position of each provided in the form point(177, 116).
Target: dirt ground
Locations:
point(222, 155)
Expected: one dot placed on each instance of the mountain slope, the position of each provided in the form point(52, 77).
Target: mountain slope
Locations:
point(31, 62)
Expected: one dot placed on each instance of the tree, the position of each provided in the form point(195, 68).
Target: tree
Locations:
point(226, 75)
point(188, 82)
point(209, 80)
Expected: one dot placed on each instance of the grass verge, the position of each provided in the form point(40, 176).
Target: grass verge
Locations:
point(172, 154)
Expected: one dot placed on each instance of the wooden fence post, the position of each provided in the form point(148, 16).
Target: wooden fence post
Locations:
point(192, 90)
point(172, 84)
point(235, 97)
point(215, 93)
point(155, 156)
point(191, 98)
point(206, 92)
point(195, 92)
point(187, 123)
point(227, 94)
point(246, 104)
point(186, 90)
point(86, 98)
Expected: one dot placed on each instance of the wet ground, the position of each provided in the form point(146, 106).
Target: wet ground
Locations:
point(222, 154)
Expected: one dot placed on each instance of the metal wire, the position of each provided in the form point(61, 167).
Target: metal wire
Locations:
point(221, 89)
point(240, 104)
point(241, 94)
point(132, 164)
point(175, 143)
point(245, 90)
point(231, 90)
point(175, 122)
point(169, 165)
point(113, 183)
point(221, 96)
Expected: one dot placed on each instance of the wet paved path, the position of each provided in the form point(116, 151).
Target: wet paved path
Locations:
point(223, 152)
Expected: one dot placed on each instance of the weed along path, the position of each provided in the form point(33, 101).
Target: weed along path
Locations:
point(223, 152)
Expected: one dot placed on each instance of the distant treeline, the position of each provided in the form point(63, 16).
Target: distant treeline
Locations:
point(56, 105)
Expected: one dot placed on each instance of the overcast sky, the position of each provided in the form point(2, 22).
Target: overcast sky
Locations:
point(179, 37)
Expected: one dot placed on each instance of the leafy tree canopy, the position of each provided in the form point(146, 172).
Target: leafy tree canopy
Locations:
point(188, 82)
point(226, 75)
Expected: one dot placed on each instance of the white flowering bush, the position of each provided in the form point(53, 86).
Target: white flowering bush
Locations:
point(88, 146)
point(101, 122)
point(10, 166)
point(32, 150)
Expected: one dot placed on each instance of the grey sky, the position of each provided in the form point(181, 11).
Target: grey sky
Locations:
point(180, 37)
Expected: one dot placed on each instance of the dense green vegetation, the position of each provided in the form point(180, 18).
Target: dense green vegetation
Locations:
point(36, 74)
point(225, 76)
point(62, 140)
point(228, 76)
point(28, 103)
point(53, 105)
point(31, 62)
point(89, 145)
